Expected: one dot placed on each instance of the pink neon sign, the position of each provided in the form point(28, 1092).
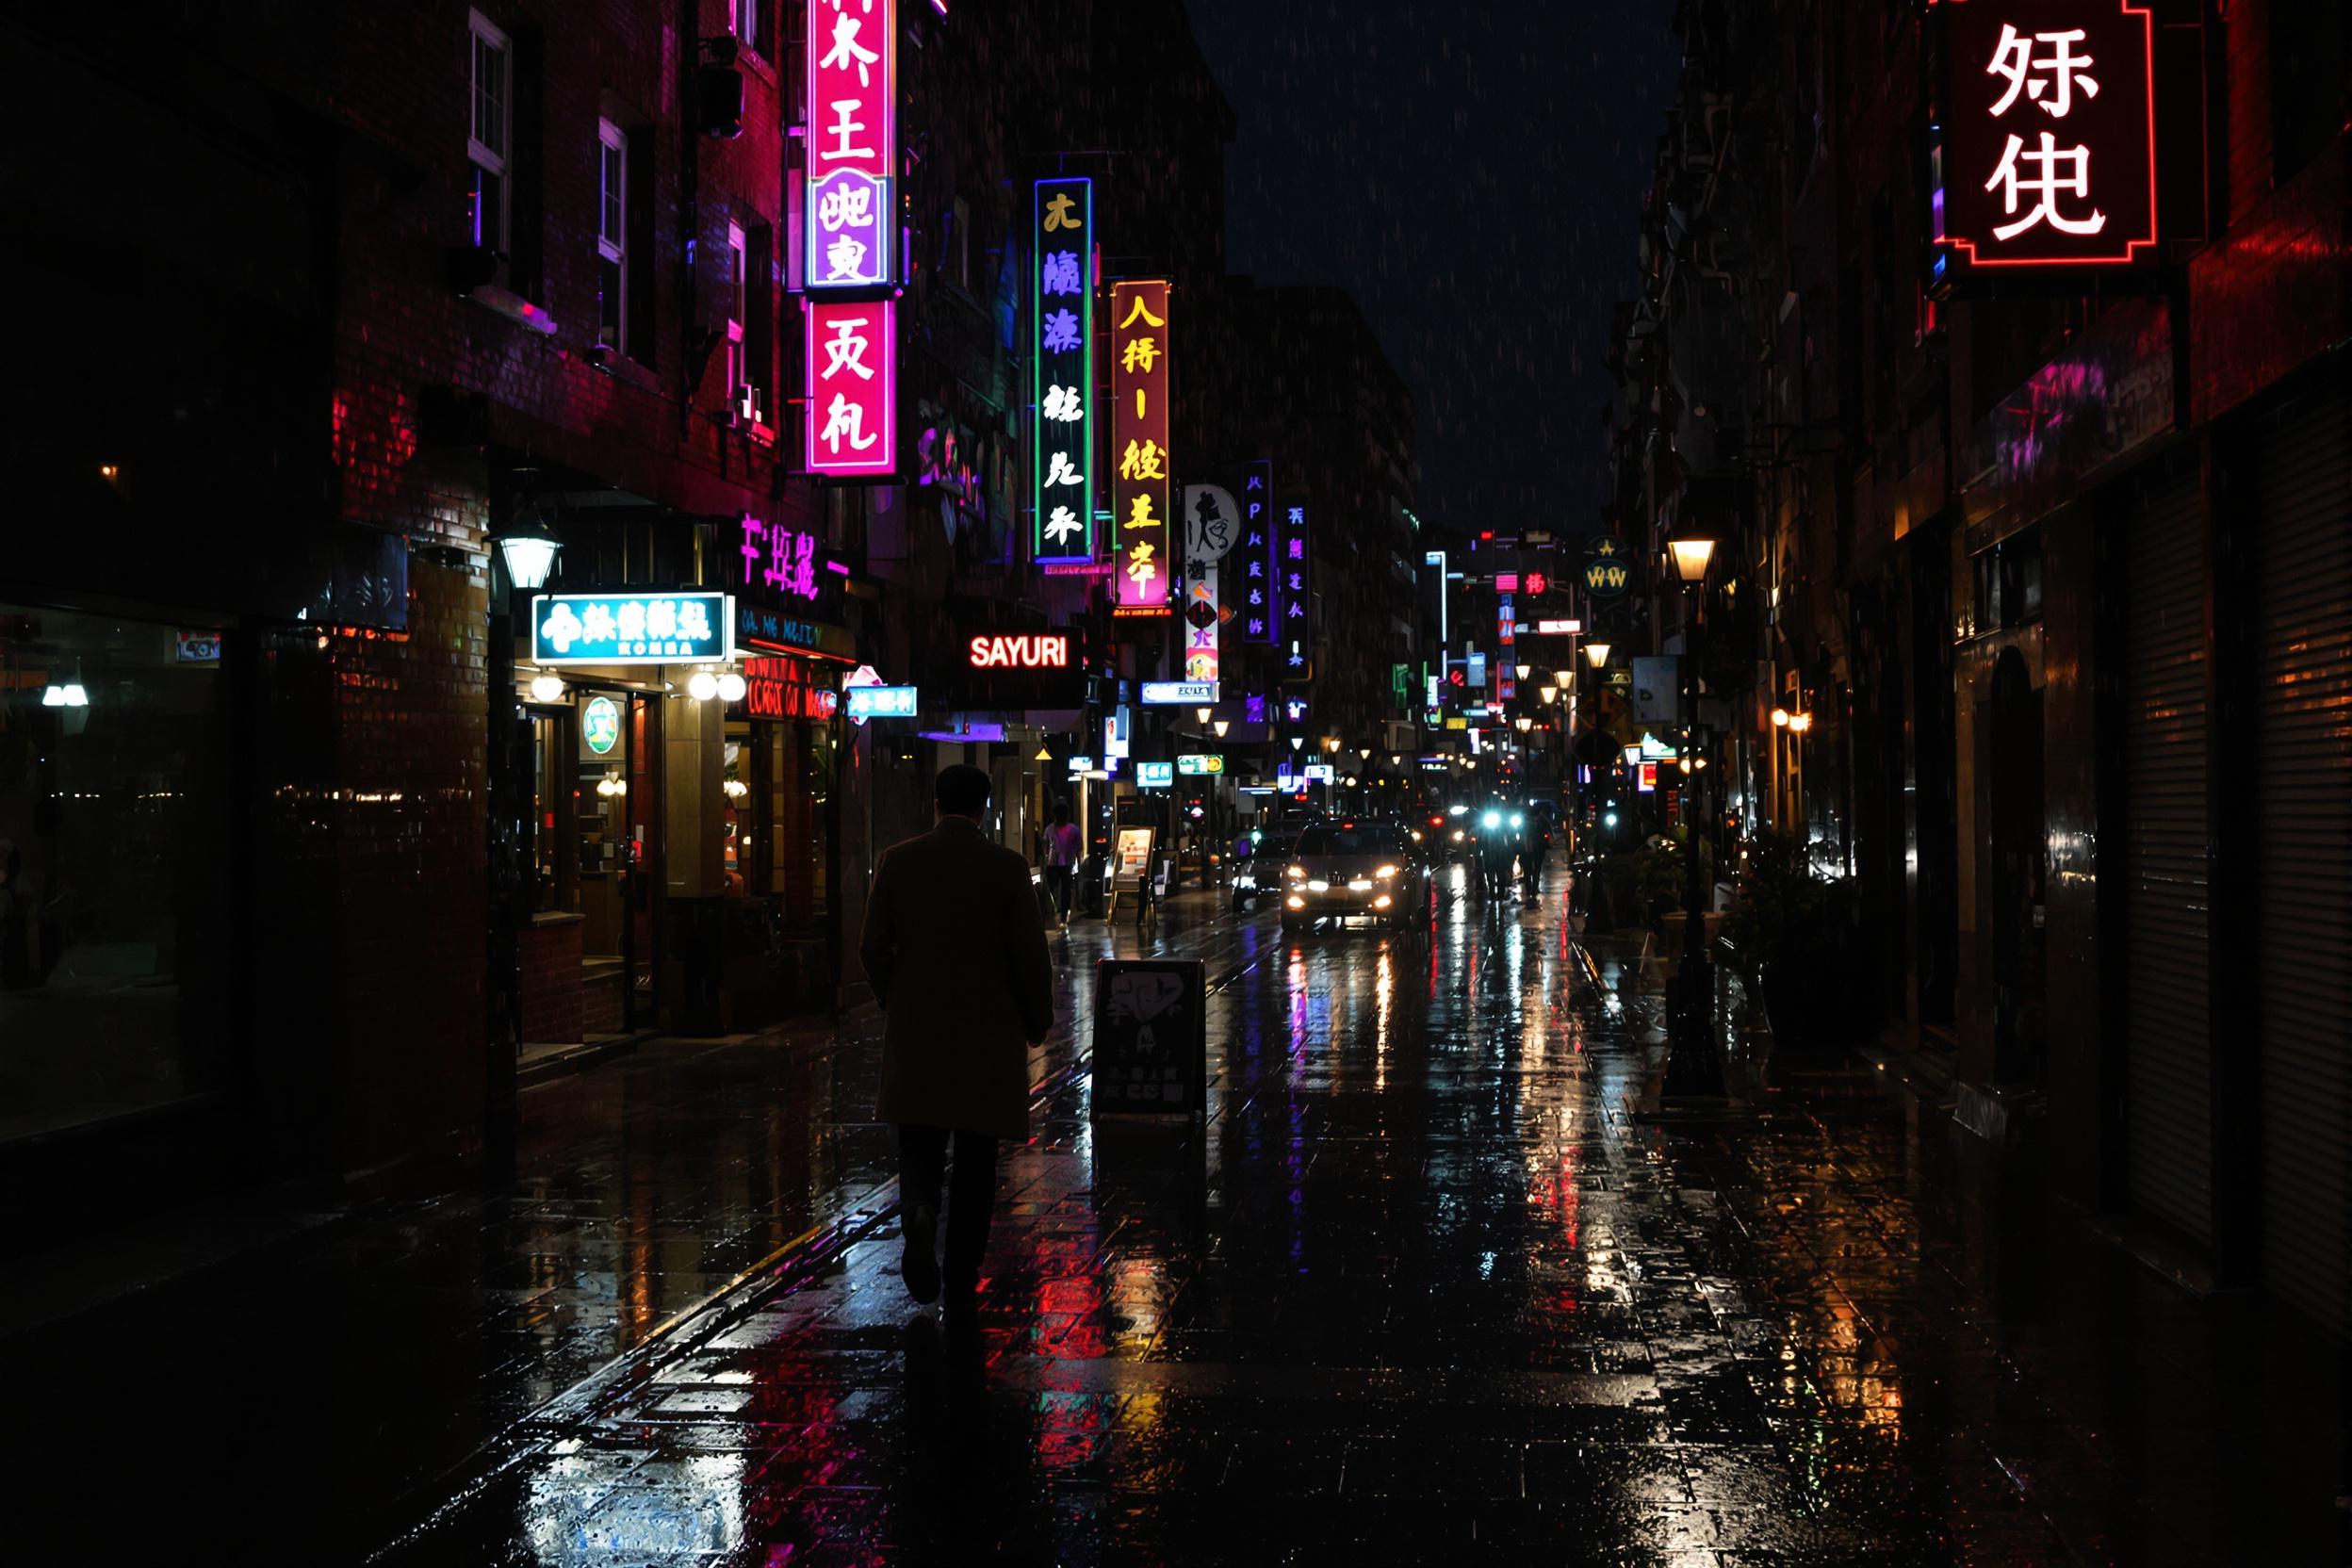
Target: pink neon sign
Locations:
point(852, 387)
point(852, 141)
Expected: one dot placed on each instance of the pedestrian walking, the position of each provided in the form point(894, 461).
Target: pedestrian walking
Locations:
point(1063, 842)
point(954, 947)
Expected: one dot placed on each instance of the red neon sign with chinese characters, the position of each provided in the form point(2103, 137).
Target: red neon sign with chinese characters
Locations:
point(2046, 154)
point(1142, 469)
point(1030, 652)
point(853, 387)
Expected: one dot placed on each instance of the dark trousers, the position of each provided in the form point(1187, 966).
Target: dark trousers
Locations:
point(1057, 880)
point(971, 1195)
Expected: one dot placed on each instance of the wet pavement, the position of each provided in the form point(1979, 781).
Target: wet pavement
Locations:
point(1446, 1280)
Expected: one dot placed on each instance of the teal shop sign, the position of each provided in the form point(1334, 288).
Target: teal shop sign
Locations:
point(632, 628)
point(600, 725)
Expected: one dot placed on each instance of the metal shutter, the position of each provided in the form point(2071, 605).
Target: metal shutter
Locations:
point(2167, 908)
point(2303, 917)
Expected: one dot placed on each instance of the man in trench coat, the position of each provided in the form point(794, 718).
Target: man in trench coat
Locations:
point(954, 947)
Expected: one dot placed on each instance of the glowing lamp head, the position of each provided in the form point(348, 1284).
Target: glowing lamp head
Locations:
point(1596, 655)
point(702, 686)
point(1690, 557)
point(1202, 714)
point(732, 687)
point(1780, 718)
point(527, 547)
point(547, 686)
point(1221, 725)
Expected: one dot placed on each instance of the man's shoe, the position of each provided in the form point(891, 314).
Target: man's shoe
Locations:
point(921, 1267)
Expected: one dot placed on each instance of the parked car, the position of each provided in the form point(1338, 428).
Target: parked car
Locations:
point(1345, 870)
point(1260, 874)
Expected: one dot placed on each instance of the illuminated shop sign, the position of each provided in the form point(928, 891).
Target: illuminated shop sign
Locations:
point(1179, 694)
point(1061, 314)
point(1032, 651)
point(2046, 143)
point(780, 560)
point(852, 359)
point(783, 689)
point(879, 702)
point(1199, 763)
point(1155, 775)
point(1256, 560)
point(852, 51)
point(1607, 574)
point(1506, 684)
point(1558, 628)
point(600, 725)
point(1292, 593)
point(1141, 466)
point(631, 628)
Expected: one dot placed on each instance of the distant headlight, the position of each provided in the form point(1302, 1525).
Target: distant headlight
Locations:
point(1492, 819)
point(1294, 871)
point(1386, 871)
point(1518, 820)
point(1457, 835)
point(1417, 835)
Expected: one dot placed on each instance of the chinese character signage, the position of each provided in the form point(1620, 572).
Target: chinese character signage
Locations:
point(1506, 632)
point(880, 702)
point(1199, 764)
point(853, 139)
point(1256, 559)
point(1293, 616)
point(631, 628)
point(777, 561)
point(1143, 544)
point(852, 387)
point(1062, 318)
point(1155, 775)
point(2047, 147)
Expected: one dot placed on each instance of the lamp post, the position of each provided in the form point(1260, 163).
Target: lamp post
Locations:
point(1690, 1059)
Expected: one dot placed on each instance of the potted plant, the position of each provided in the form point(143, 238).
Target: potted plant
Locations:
point(1778, 926)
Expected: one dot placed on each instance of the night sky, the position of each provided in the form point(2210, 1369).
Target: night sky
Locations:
point(1471, 172)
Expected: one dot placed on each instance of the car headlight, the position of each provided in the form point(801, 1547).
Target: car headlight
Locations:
point(1386, 872)
point(1518, 820)
point(1294, 871)
point(1417, 835)
point(1491, 820)
point(1457, 835)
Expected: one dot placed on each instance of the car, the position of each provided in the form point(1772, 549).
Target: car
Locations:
point(1260, 874)
point(1343, 870)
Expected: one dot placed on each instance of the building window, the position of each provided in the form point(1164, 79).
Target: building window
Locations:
point(749, 20)
point(738, 293)
point(491, 134)
point(611, 236)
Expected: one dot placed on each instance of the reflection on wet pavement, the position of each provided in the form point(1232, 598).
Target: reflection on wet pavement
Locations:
point(1438, 1287)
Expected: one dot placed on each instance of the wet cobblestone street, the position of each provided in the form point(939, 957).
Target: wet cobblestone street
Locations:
point(1450, 1283)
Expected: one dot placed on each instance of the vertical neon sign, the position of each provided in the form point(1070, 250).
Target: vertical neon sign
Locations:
point(1296, 630)
point(1061, 301)
point(1140, 473)
point(852, 355)
point(850, 238)
point(1257, 553)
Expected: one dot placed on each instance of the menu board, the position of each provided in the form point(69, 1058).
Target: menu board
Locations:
point(1151, 1037)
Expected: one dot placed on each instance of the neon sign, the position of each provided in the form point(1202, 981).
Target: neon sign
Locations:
point(1257, 553)
point(1141, 472)
point(1179, 694)
point(779, 557)
point(1048, 652)
point(631, 628)
point(1062, 367)
point(1155, 775)
point(2046, 151)
point(879, 702)
point(1199, 764)
point(1291, 594)
point(851, 356)
point(851, 235)
point(600, 725)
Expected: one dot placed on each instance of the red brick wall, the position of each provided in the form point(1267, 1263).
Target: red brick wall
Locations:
point(551, 984)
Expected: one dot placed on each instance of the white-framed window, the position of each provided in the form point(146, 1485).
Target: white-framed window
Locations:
point(611, 236)
point(490, 129)
point(738, 309)
point(748, 19)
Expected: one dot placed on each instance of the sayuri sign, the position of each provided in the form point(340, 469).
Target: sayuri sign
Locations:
point(850, 229)
point(1029, 651)
point(852, 359)
point(2046, 139)
point(631, 628)
point(1141, 470)
point(1062, 365)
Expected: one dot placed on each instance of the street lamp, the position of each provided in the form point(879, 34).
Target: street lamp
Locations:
point(1522, 670)
point(1596, 655)
point(1297, 740)
point(1780, 718)
point(527, 547)
point(1690, 557)
point(1202, 714)
point(1693, 1046)
point(1550, 693)
point(1221, 725)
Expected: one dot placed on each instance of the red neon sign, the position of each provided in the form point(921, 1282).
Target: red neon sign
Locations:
point(2047, 153)
point(1020, 653)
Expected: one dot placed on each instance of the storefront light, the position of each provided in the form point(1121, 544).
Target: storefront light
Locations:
point(732, 687)
point(70, 694)
point(547, 686)
point(702, 686)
